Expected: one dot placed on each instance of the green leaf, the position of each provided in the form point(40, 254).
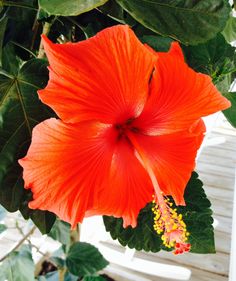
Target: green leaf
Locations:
point(20, 111)
point(158, 43)
point(84, 259)
point(230, 113)
point(196, 215)
point(60, 232)
point(59, 262)
point(3, 213)
point(21, 27)
point(113, 10)
point(3, 24)
point(94, 278)
point(229, 31)
point(215, 58)
point(2, 227)
point(190, 22)
point(224, 84)
point(10, 62)
point(42, 15)
point(19, 266)
point(68, 7)
point(117, 13)
point(42, 219)
point(26, 4)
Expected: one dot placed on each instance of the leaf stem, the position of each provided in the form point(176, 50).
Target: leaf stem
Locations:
point(61, 273)
point(46, 29)
point(79, 26)
point(75, 234)
point(19, 45)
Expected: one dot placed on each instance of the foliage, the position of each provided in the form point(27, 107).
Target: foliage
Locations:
point(60, 232)
point(230, 113)
point(68, 7)
point(170, 18)
point(2, 213)
point(229, 31)
point(18, 266)
point(94, 278)
point(215, 58)
point(73, 260)
point(2, 227)
point(84, 259)
point(196, 215)
point(20, 111)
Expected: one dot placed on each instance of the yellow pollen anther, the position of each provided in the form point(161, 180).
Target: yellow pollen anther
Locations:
point(168, 222)
point(166, 219)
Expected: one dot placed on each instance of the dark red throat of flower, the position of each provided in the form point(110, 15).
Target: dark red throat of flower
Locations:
point(124, 128)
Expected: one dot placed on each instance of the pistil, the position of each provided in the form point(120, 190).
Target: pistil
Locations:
point(167, 221)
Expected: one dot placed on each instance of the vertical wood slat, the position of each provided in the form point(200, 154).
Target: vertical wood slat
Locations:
point(232, 268)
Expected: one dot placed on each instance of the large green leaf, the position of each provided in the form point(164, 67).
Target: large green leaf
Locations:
point(229, 31)
point(158, 43)
point(84, 259)
point(68, 7)
point(215, 58)
point(230, 113)
point(20, 111)
point(190, 22)
point(196, 215)
point(19, 266)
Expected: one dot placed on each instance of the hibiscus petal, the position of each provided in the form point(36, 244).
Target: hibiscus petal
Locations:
point(65, 166)
point(179, 96)
point(130, 187)
point(171, 157)
point(103, 78)
point(78, 169)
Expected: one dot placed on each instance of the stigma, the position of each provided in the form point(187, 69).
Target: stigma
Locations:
point(171, 225)
point(167, 222)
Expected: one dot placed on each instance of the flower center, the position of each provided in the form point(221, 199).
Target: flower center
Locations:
point(123, 128)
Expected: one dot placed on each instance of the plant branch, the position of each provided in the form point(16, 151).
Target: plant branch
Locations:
point(28, 240)
point(20, 242)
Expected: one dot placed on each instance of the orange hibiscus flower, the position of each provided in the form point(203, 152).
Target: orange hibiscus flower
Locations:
point(130, 127)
